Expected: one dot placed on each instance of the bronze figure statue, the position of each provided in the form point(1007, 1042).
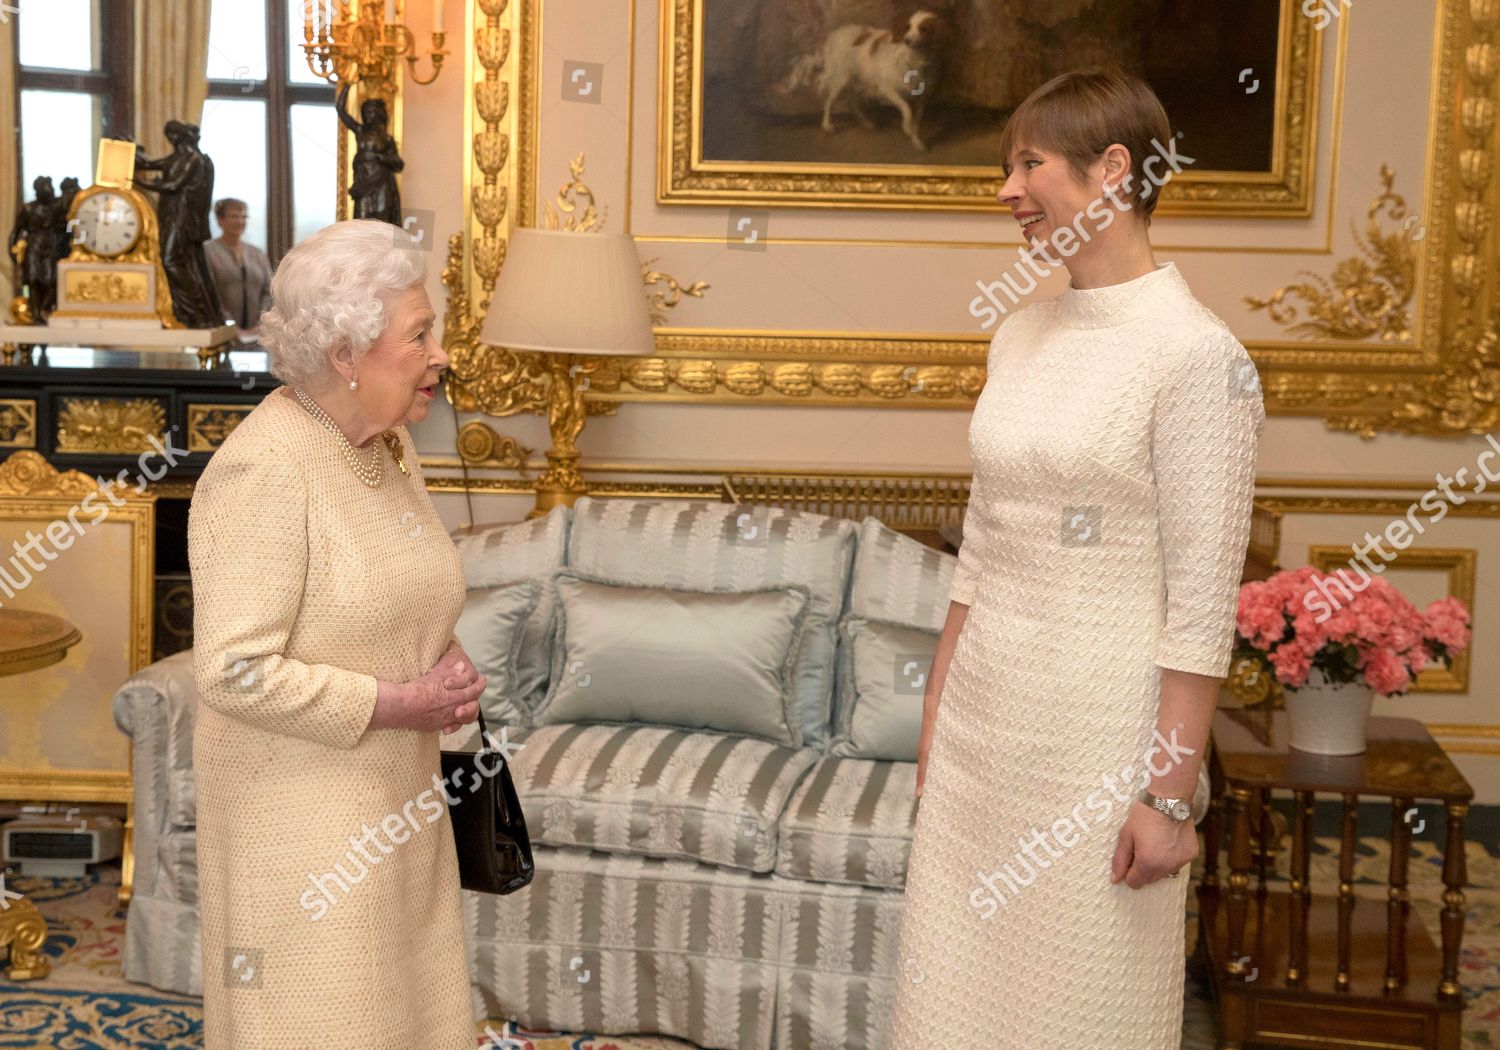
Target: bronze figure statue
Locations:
point(38, 240)
point(185, 190)
point(376, 161)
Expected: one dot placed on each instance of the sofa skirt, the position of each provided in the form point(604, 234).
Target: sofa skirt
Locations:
point(619, 945)
point(163, 946)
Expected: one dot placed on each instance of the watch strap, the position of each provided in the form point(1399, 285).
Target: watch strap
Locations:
point(1165, 806)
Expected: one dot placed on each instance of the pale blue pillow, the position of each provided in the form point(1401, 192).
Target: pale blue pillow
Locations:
point(881, 685)
point(492, 629)
point(714, 546)
point(533, 549)
point(715, 660)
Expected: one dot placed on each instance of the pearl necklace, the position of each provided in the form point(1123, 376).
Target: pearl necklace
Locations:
point(370, 473)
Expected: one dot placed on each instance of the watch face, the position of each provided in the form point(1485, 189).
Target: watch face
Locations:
point(1181, 810)
point(107, 223)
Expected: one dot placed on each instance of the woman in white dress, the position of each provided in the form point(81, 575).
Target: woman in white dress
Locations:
point(1091, 613)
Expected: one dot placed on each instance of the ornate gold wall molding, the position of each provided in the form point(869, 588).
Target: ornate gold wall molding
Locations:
point(698, 365)
point(1444, 383)
point(1366, 297)
point(590, 219)
point(502, 64)
point(479, 446)
point(1385, 505)
point(670, 293)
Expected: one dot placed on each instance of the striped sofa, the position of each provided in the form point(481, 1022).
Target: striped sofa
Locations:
point(727, 890)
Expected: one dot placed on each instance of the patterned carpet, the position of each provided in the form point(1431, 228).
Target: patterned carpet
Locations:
point(85, 1004)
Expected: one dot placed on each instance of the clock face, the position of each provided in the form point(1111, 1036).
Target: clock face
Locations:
point(108, 223)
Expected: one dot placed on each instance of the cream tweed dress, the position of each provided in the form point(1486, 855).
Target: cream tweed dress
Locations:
point(320, 585)
point(1114, 450)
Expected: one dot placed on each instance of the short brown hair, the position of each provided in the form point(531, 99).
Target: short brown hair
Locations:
point(223, 204)
point(1081, 114)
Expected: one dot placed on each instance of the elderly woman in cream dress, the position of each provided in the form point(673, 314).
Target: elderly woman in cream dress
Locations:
point(326, 591)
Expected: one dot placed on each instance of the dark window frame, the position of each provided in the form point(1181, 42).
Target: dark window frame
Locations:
point(112, 85)
point(279, 94)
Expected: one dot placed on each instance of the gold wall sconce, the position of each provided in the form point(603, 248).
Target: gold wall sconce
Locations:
point(345, 42)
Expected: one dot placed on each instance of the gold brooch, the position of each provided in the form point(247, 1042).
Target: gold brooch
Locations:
point(393, 443)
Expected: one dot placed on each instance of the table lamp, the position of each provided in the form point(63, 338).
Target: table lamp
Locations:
point(571, 296)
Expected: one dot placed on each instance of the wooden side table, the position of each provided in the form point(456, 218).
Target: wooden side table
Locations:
point(1303, 969)
point(29, 641)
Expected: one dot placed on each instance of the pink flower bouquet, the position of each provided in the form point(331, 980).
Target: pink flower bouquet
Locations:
point(1353, 626)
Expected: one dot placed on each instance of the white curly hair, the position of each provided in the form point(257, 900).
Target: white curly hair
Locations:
point(333, 288)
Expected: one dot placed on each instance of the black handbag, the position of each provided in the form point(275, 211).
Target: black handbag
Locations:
point(489, 829)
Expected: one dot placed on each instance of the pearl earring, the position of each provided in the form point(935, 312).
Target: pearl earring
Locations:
point(354, 384)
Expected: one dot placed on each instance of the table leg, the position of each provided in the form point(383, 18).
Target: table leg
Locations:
point(1239, 878)
point(1455, 874)
point(1263, 835)
point(1213, 826)
point(1297, 911)
point(1348, 843)
point(1398, 900)
point(127, 857)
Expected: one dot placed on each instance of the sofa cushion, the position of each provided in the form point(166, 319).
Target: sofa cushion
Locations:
point(851, 821)
point(883, 670)
point(492, 629)
point(534, 549)
point(715, 660)
point(729, 547)
point(898, 579)
point(657, 791)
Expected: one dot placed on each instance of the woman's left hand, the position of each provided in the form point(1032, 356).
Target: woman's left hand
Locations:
point(455, 654)
point(1151, 846)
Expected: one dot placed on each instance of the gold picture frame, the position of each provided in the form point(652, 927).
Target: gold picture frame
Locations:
point(685, 177)
point(1440, 380)
point(33, 491)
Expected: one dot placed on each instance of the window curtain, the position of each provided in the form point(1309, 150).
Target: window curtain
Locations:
point(10, 161)
point(171, 68)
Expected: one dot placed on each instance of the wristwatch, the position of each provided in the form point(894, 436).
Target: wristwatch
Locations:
point(1179, 809)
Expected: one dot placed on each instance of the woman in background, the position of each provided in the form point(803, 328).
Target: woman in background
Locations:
point(241, 271)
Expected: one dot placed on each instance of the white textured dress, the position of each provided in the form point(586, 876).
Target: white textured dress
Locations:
point(1114, 450)
point(328, 877)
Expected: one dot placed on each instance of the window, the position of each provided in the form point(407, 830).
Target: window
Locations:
point(269, 123)
point(74, 87)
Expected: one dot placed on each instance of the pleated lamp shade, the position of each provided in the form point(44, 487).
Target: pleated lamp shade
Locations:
point(562, 291)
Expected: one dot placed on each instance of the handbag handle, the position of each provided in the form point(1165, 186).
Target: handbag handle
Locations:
point(484, 733)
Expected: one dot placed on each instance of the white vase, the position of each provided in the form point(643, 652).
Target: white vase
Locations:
point(1328, 718)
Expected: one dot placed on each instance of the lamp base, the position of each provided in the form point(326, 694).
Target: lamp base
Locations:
point(562, 484)
point(546, 499)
